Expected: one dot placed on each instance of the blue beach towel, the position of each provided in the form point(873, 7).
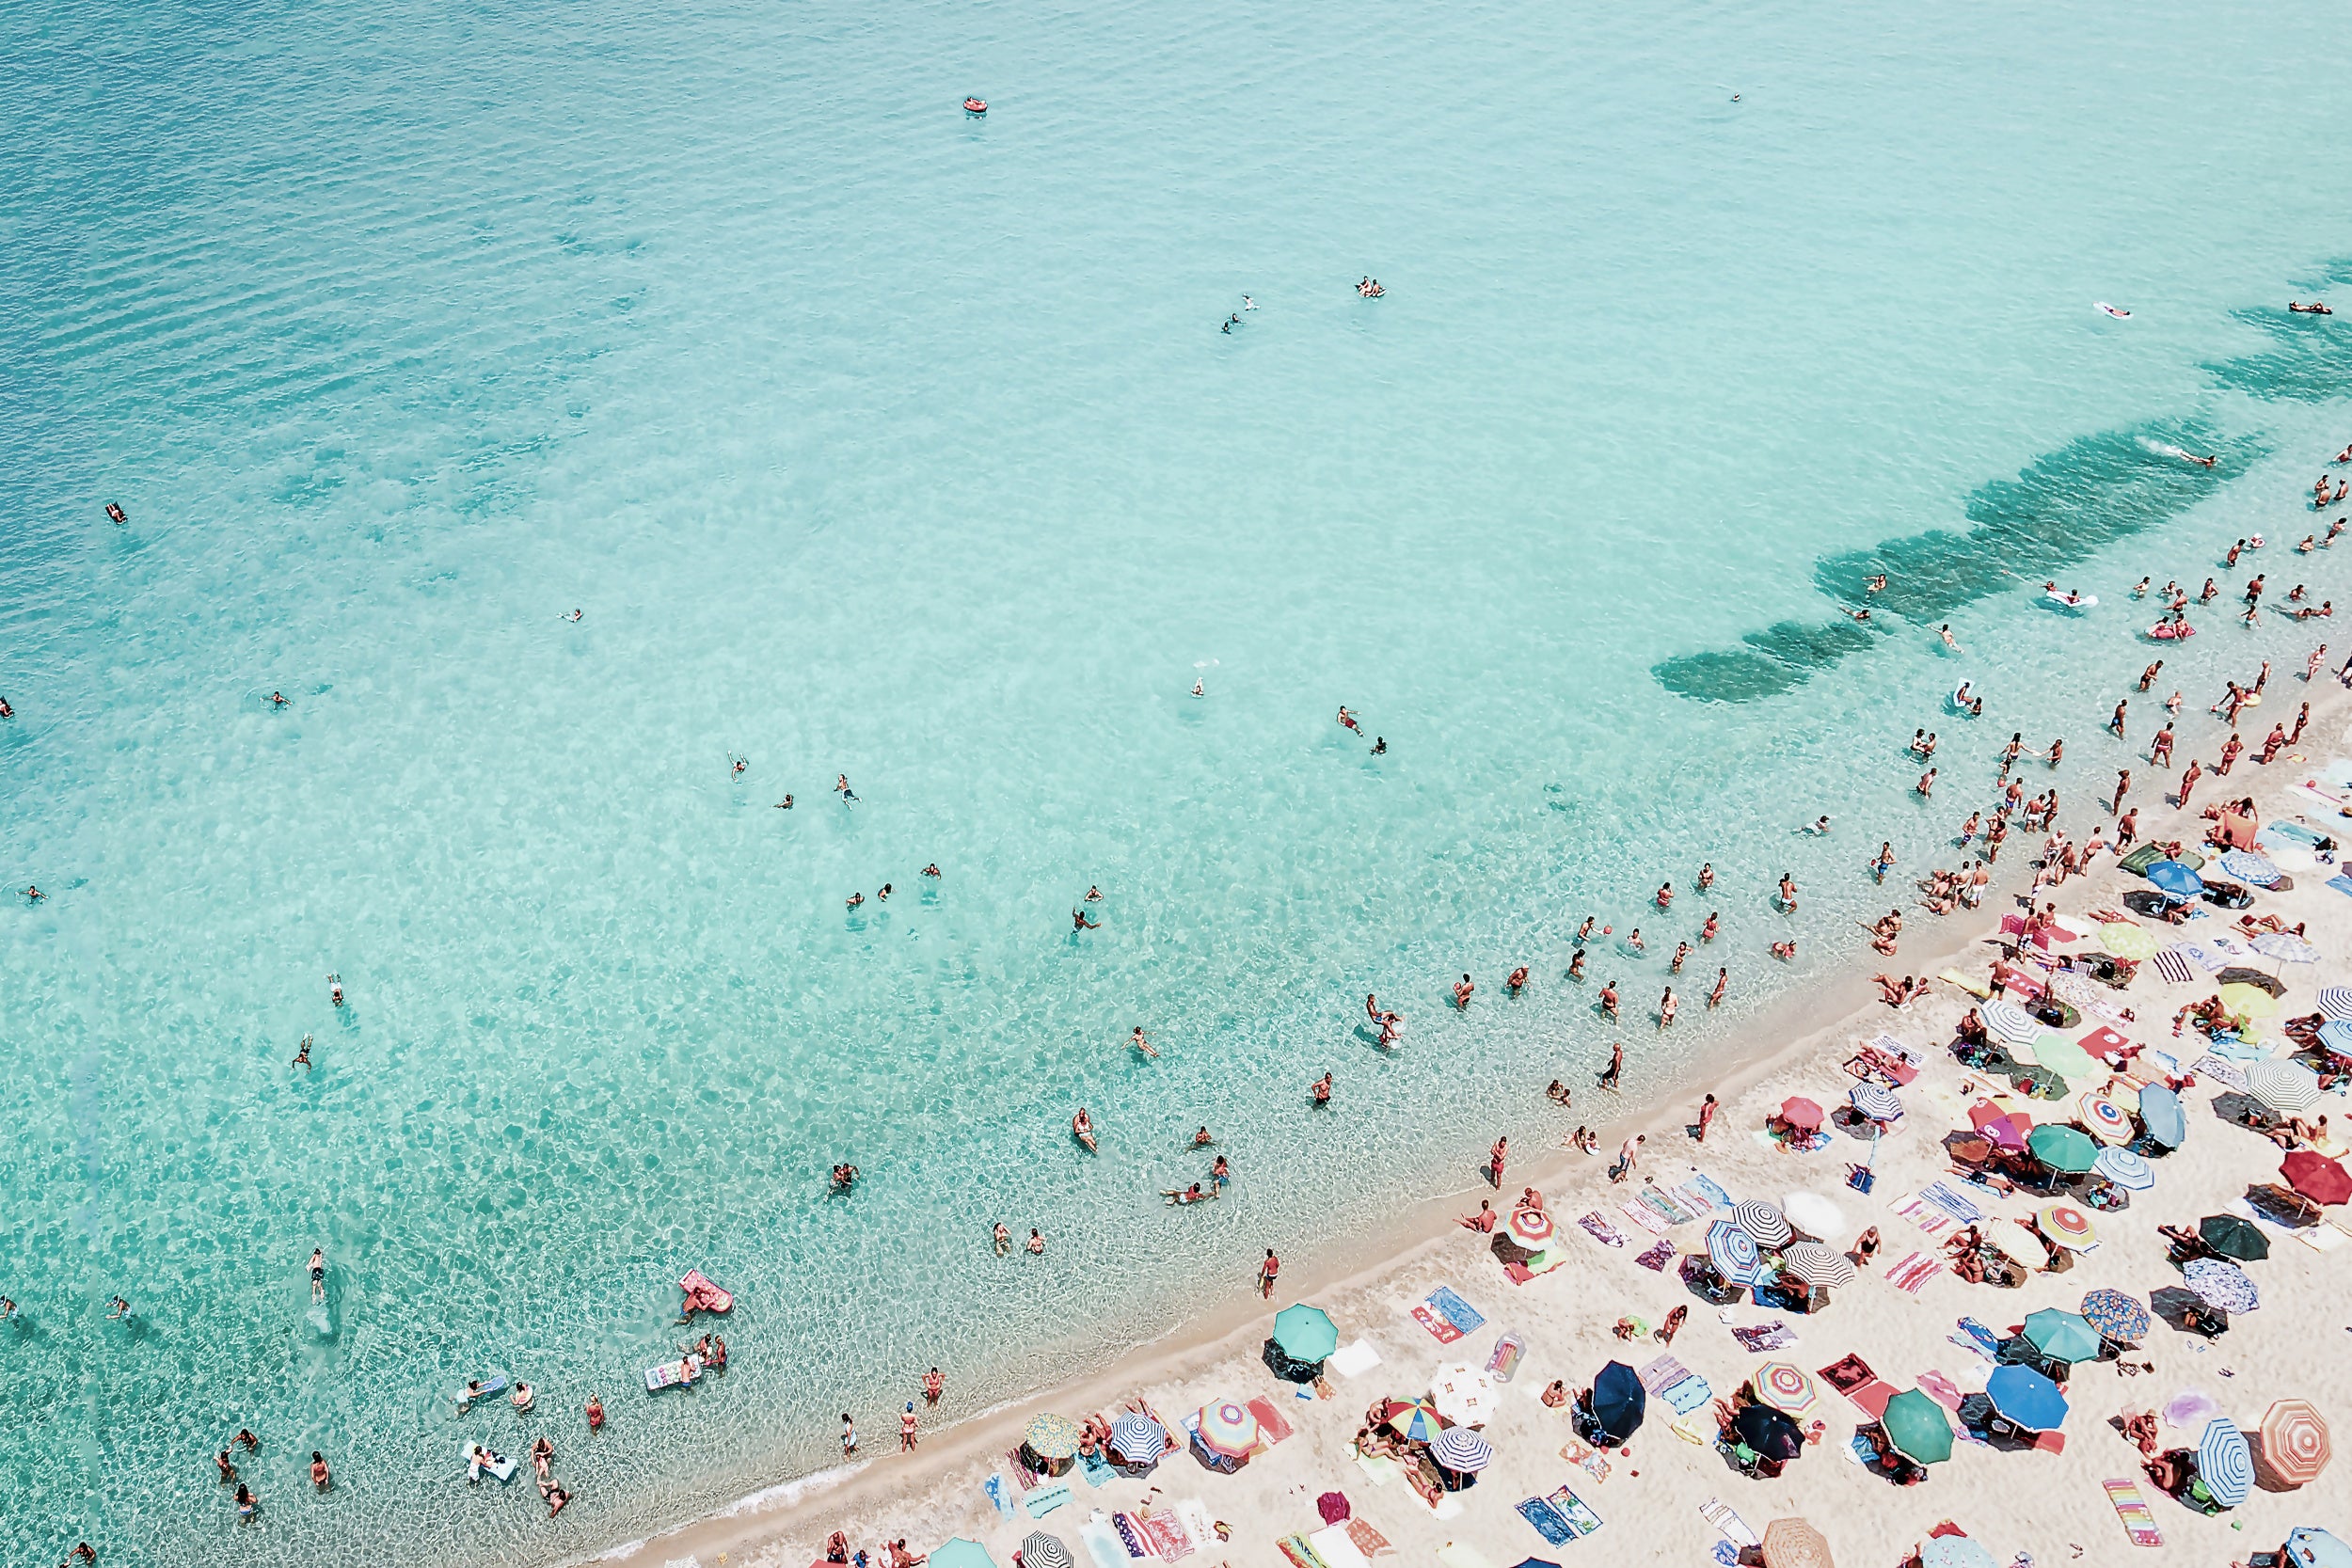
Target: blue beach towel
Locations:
point(1098, 1469)
point(1688, 1394)
point(1044, 1502)
point(1547, 1521)
point(1001, 1493)
point(1454, 1309)
point(2341, 884)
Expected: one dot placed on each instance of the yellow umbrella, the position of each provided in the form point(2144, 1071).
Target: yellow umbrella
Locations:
point(2249, 1002)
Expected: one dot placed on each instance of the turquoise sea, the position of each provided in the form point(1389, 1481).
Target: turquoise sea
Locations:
point(872, 437)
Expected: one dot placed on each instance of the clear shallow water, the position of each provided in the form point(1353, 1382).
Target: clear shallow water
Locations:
point(876, 440)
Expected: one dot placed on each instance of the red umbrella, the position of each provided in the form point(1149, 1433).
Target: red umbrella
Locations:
point(1800, 1113)
point(2316, 1177)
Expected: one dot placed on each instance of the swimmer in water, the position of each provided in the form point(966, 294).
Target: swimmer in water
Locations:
point(1875, 583)
point(931, 870)
point(1862, 615)
point(1079, 921)
point(1094, 895)
point(1141, 1044)
point(1584, 933)
point(1516, 980)
point(841, 787)
point(574, 616)
point(1787, 893)
point(318, 1274)
point(855, 899)
point(1379, 746)
point(1201, 1139)
point(335, 989)
point(1347, 721)
point(1821, 824)
point(1706, 876)
point(33, 894)
point(1634, 941)
point(1576, 964)
point(302, 1057)
point(785, 804)
point(735, 766)
point(5, 711)
point(1197, 690)
point(1945, 632)
point(1248, 304)
point(1706, 932)
point(278, 699)
point(1082, 1128)
point(117, 513)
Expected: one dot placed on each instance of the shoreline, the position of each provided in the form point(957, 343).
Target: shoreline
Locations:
point(938, 1490)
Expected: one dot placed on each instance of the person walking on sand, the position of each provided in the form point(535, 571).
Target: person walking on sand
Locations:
point(1707, 1117)
point(2188, 781)
point(1617, 1065)
point(1628, 1152)
point(1494, 1161)
point(1267, 1272)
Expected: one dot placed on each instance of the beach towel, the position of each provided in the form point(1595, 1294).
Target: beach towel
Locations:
point(1658, 1256)
point(1659, 1201)
point(1546, 1520)
point(1102, 1543)
point(1195, 1514)
point(1022, 1477)
point(1688, 1394)
point(1129, 1536)
point(1601, 1230)
point(2131, 1508)
point(1337, 1548)
point(1299, 1551)
point(1447, 1316)
point(1702, 1186)
point(1728, 1524)
point(1379, 1466)
point(1912, 1273)
point(2228, 1074)
point(1847, 1373)
point(1927, 1216)
point(1688, 1430)
point(1976, 988)
point(1661, 1374)
point(1368, 1541)
point(1764, 1336)
point(1270, 1421)
point(1001, 1493)
point(1043, 1501)
point(1164, 1535)
point(1570, 1507)
point(1095, 1467)
point(1353, 1360)
point(1942, 1389)
point(1593, 1461)
point(1643, 1219)
point(2173, 965)
point(1952, 1201)
point(2341, 884)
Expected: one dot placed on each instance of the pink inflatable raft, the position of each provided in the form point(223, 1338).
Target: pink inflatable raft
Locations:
point(702, 1295)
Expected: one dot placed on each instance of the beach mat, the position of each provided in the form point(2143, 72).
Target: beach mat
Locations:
point(1270, 1421)
point(1601, 1230)
point(2132, 1509)
point(1913, 1273)
point(1002, 1494)
point(1728, 1524)
point(1353, 1360)
point(1764, 1336)
point(1102, 1544)
point(1447, 1316)
point(1043, 1501)
point(1570, 1507)
point(1658, 1256)
point(1544, 1520)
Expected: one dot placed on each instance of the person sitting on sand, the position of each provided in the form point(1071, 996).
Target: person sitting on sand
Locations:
point(1555, 1394)
point(1483, 1222)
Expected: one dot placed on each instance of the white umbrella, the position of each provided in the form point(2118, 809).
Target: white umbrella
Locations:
point(2008, 1020)
point(2286, 947)
point(1463, 1395)
point(1813, 1213)
point(2335, 1002)
point(2285, 1086)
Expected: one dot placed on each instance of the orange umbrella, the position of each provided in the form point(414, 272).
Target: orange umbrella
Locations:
point(1794, 1544)
point(2294, 1441)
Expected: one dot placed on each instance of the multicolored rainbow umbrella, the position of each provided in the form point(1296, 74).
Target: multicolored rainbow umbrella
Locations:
point(1785, 1387)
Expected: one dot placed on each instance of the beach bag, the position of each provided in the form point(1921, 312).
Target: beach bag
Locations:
point(1861, 1177)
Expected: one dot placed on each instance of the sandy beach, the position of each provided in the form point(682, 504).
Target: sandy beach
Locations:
point(2050, 1504)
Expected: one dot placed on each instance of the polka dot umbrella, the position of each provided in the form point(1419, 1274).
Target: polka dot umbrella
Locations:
point(1052, 1437)
point(2295, 1442)
point(2224, 1463)
point(2222, 1283)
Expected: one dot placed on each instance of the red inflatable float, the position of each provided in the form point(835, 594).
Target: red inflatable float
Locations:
point(976, 105)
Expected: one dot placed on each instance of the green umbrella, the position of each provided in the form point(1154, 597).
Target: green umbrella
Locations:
point(2062, 1336)
point(960, 1553)
point(2065, 1058)
point(2232, 1237)
point(2068, 1150)
point(1918, 1428)
point(2126, 941)
point(1304, 1333)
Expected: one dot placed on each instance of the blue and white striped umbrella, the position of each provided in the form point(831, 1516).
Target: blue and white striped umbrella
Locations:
point(2286, 947)
point(1460, 1448)
point(2008, 1020)
point(1877, 1101)
point(2336, 1035)
point(2126, 1169)
point(2245, 863)
point(2222, 1283)
point(2224, 1463)
point(1733, 1253)
point(1137, 1438)
point(2336, 1002)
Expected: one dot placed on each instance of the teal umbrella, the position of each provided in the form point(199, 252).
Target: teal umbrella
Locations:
point(2068, 1150)
point(960, 1553)
point(2062, 1336)
point(1917, 1427)
point(2063, 1058)
point(1304, 1333)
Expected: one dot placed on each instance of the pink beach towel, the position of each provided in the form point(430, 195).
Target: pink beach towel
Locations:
point(1601, 1230)
point(1270, 1421)
point(1914, 1272)
point(1643, 1219)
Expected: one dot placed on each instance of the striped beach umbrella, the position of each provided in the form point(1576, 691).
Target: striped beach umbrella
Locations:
point(1917, 1427)
point(1041, 1550)
point(2286, 947)
point(2127, 941)
point(1531, 1229)
point(2335, 1002)
point(2294, 1441)
point(1876, 1100)
point(2286, 1086)
point(1052, 1437)
point(2247, 866)
point(2068, 1225)
point(1732, 1252)
point(1415, 1420)
point(2224, 1463)
point(1759, 1219)
point(2104, 1118)
point(1228, 1429)
point(2010, 1021)
point(2221, 1283)
point(2335, 1036)
point(1137, 1438)
point(1822, 1267)
point(1785, 1387)
point(2316, 1177)
point(2126, 1169)
point(1460, 1448)
point(2119, 1317)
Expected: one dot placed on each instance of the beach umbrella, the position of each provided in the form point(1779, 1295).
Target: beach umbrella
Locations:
point(1876, 1100)
point(2126, 1169)
point(2335, 1002)
point(2126, 941)
point(1228, 1429)
point(2232, 1237)
point(2294, 1441)
point(1137, 1438)
point(1824, 1268)
point(1415, 1420)
point(2161, 1112)
point(2103, 1119)
point(2013, 1238)
point(2191, 1409)
point(2222, 1284)
point(2252, 1002)
point(1464, 1394)
point(1794, 1544)
point(2066, 1225)
point(2025, 1399)
point(1618, 1403)
point(2286, 947)
point(1785, 1387)
point(1813, 1213)
point(2175, 880)
point(2119, 1317)
point(2335, 1035)
point(2060, 1056)
point(2316, 1177)
point(2247, 867)
point(2060, 1336)
point(1917, 1428)
point(1759, 1219)
point(1800, 1113)
point(1052, 1437)
point(1770, 1432)
point(2010, 1021)
point(1304, 1333)
point(2224, 1463)
point(2286, 1086)
point(1460, 1448)
point(2310, 1547)
point(2008, 1132)
point(1041, 1550)
point(1732, 1253)
point(1955, 1551)
point(960, 1553)
point(2063, 1147)
point(1531, 1229)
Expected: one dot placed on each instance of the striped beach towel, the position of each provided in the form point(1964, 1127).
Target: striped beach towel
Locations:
point(1661, 1374)
point(2173, 965)
point(1659, 1201)
point(1643, 1217)
point(1601, 1230)
point(1952, 1201)
point(1912, 1273)
point(2130, 1507)
point(1920, 1212)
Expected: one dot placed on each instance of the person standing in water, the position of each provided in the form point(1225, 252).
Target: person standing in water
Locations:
point(1617, 1065)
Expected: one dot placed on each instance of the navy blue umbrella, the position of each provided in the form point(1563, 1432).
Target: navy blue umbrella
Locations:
point(1618, 1403)
point(1768, 1431)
